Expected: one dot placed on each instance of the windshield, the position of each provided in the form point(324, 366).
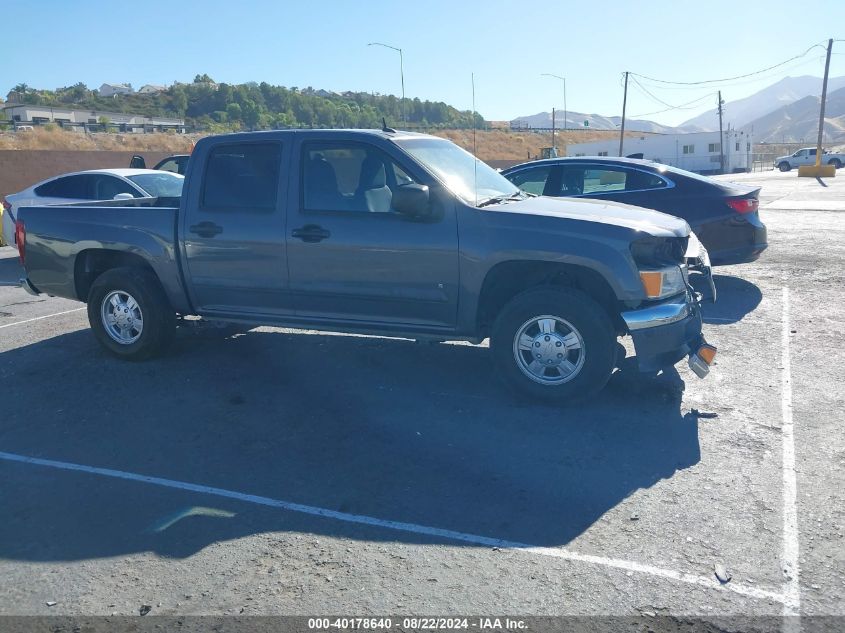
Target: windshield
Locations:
point(161, 185)
point(472, 180)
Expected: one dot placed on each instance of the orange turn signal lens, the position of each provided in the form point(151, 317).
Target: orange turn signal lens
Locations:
point(707, 353)
point(652, 282)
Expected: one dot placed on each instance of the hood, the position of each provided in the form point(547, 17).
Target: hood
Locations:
point(601, 212)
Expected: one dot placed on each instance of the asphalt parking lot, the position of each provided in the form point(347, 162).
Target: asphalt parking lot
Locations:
point(290, 472)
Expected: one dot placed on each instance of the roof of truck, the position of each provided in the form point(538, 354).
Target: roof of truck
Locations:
point(387, 134)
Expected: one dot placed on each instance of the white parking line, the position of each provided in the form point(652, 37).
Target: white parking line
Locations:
point(46, 316)
point(792, 588)
point(628, 566)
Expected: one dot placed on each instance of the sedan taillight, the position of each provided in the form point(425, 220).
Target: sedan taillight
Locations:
point(20, 238)
point(744, 205)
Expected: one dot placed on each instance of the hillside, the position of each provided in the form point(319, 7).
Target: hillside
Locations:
point(575, 120)
point(221, 107)
point(783, 93)
point(799, 121)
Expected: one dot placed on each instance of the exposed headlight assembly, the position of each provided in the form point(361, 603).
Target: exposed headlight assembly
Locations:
point(663, 282)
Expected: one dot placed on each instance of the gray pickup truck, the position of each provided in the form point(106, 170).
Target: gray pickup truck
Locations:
point(378, 232)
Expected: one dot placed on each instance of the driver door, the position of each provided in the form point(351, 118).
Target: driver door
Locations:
point(352, 257)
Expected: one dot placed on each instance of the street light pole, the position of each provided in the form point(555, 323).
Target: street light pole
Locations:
point(563, 79)
point(401, 73)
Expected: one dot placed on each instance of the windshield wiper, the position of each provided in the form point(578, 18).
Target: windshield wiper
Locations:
point(517, 195)
point(488, 201)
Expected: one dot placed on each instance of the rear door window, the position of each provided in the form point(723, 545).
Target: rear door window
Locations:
point(637, 180)
point(242, 176)
point(72, 187)
point(591, 181)
point(604, 180)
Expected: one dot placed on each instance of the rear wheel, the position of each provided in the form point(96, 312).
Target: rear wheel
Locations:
point(836, 163)
point(129, 313)
point(554, 344)
point(784, 166)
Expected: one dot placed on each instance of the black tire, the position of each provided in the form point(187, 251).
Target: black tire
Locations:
point(837, 164)
point(586, 318)
point(159, 319)
point(784, 166)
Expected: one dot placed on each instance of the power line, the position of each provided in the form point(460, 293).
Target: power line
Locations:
point(714, 81)
point(683, 106)
point(669, 106)
point(756, 79)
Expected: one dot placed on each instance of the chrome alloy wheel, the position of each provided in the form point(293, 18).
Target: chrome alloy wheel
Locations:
point(122, 317)
point(549, 350)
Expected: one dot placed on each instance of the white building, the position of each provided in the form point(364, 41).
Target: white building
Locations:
point(110, 90)
point(149, 89)
point(698, 152)
point(34, 114)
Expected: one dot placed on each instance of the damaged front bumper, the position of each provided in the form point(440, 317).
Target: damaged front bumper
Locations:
point(666, 332)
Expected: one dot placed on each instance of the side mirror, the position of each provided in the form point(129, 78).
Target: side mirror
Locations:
point(137, 162)
point(411, 200)
point(124, 196)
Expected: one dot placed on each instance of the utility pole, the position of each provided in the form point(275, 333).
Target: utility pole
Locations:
point(721, 138)
point(553, 135)
point(824, 98)
point(624, 105)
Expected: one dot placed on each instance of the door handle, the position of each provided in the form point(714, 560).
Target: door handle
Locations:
point(206, 229)
point(310, 233)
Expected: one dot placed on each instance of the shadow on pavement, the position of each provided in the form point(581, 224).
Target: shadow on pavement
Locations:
point(737, 298)
point(386, 428)
point(10, 268)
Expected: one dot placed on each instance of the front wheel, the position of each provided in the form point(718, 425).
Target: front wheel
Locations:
point(129, 313)
point(784, 166)
point(837, 164)
point(554, 344)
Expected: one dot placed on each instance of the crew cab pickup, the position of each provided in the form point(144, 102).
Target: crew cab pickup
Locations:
point(807, 156)
point(379, 232)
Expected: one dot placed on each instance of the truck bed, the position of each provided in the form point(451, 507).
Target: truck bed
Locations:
point(60, 237)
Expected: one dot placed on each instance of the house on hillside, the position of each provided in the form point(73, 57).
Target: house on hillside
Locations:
point(699, 152)
point(149, 89)
point(88, 119)
point(110, 90)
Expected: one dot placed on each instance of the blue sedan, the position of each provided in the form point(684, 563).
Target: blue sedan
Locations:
point(724, 215)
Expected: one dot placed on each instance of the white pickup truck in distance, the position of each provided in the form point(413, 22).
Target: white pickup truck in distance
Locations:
point(807, 156)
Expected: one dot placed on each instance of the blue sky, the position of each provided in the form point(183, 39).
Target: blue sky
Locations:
point(507, 45)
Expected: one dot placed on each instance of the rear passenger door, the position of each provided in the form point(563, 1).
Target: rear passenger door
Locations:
point(352, 257)
point(233, 231)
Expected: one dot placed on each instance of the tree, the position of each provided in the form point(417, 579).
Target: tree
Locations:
point(251, 114)
point(233, 111)
point(179, 100)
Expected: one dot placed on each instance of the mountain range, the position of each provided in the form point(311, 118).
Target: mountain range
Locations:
point(788, 110)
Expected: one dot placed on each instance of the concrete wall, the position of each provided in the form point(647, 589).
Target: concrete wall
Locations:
point(20, 169)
